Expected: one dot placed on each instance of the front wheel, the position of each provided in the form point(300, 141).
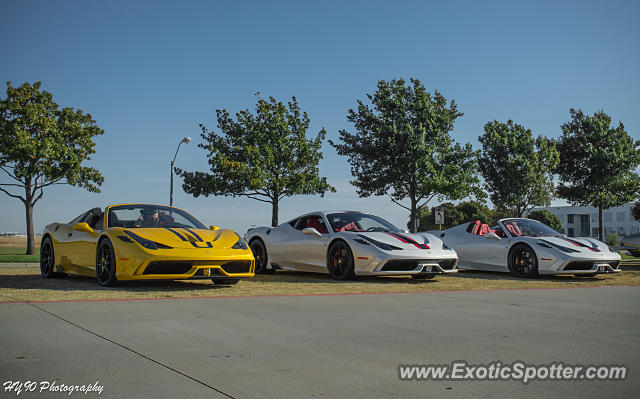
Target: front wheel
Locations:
point(106, 264)
point(523, 262)
point(260, 254)
point(340, 261)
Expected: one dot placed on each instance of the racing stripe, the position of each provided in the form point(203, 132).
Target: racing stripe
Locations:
point(176, 233)
point(194, 234)
point(579, 244)
point(197, 246)
point(408, 240)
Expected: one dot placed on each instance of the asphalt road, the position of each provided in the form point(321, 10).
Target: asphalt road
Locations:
point(321, 346)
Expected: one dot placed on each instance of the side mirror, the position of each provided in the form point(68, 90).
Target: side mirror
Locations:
point(492, 236)
point(84, 227)
point(311, 232)
point(214, 228)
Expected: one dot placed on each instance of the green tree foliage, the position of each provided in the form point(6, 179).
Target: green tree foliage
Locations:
point(597, 163)
point(42, 145)
point(263, 156)
point(546, 217)
point(517, 168)
point(402, 147)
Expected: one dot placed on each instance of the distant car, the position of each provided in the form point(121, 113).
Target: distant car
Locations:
point(143, 242)
point(348, 243)
point(632, 244)
point(526, 248)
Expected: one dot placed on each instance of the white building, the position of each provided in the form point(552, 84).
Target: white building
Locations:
point(582, 221)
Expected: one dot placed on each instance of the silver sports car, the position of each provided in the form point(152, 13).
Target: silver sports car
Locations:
point(345, 244)
point(526, 248)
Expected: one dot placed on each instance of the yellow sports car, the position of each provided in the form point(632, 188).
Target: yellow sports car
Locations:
point(143, 242)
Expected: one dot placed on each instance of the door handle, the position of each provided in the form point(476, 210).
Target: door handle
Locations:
point(69, 235)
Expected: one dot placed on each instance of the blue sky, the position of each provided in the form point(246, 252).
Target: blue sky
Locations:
point(150, 72)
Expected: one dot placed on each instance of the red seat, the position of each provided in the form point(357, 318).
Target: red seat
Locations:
point(484, 229)
point(315, 223)
point(514, 230)
point(476, 230)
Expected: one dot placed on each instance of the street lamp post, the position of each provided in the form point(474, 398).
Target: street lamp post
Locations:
point(185, 140)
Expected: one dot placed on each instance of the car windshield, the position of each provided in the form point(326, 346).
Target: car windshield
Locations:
point(529, 228)
point(151, 216)
point(358, 222)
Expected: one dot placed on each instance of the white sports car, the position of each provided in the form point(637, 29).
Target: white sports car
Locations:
point(526, 248)
point(345, 244)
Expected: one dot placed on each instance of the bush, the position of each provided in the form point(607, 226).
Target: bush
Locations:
point(612, 240)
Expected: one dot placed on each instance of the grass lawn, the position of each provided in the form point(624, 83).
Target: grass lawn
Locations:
point(25, 284)
point(16, 254)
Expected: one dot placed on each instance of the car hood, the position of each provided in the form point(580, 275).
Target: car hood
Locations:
point(577, 245)
point(405, 240)
point(187, 238)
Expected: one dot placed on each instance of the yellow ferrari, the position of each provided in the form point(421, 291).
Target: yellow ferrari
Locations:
point(143, 242)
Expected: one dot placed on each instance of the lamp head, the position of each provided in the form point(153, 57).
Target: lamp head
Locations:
point(186, 140)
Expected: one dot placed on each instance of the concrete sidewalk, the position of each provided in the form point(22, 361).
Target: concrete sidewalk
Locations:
point(323, 346)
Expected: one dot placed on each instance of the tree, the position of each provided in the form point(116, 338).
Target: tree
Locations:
point(597, 163)
point(265, 156)
point(546, 217)
point(517, 169)
point(42, 145)
point(402, 147)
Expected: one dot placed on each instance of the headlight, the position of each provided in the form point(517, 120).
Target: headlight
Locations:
point(240, 244)
point(379, 244)
point(547, 244)
point(144, 242)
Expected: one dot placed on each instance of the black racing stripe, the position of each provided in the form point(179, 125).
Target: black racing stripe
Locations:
point(176, 233)
point(194, 234)
point(578, 243)
point(198, 246)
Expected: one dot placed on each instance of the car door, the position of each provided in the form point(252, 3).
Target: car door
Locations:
point(307, 252)
point(480, 252)
point(81, 246)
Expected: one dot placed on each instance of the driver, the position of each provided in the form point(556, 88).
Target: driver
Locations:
point(148, 218)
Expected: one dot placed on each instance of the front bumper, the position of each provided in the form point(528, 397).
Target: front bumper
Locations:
point(191, 265)
point(404, 267)
point(586, 267)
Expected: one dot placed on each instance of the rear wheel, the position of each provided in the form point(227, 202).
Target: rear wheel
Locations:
point(260, 254)
point(106, 264)
point(225, 281)
point(340, 261)
point(523, 262)
point(47, 258)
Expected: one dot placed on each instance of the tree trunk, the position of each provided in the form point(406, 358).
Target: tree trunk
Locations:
point(274, 212)
point(29, 214)
point(412, 217)
point(600, 223)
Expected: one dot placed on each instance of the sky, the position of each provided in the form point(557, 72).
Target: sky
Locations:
point(149, 72)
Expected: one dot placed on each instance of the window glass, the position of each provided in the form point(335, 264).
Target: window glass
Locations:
point(358, 222)
point(314, 221)
point(151, 216)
